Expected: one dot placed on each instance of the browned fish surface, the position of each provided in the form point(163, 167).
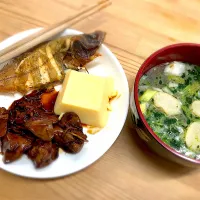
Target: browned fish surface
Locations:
point(46, 63)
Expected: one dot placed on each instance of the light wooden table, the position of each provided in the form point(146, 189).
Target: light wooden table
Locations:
point(135, 29)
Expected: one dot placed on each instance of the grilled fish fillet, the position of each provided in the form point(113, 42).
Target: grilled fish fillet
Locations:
point(46, 63)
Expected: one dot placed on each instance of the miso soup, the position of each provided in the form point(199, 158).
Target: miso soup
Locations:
point(169, 96)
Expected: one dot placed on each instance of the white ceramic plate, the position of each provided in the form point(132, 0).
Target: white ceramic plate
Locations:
point(99, 143)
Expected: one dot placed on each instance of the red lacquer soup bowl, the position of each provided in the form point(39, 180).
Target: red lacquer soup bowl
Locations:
point(185, 52)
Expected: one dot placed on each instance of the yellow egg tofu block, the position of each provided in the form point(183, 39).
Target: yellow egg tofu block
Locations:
point(86, 95)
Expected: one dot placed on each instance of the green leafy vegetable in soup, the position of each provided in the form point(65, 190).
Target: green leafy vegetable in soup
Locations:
point(169, 97)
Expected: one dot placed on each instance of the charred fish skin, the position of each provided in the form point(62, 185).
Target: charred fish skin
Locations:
point(40, 67)
point(46, 64)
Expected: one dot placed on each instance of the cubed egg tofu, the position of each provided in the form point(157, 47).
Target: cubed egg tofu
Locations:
point(86, 95)
point(167, 103)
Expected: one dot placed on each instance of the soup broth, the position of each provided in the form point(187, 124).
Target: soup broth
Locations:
point(169, 97)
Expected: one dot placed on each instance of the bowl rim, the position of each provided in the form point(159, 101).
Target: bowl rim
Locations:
point(146, 63)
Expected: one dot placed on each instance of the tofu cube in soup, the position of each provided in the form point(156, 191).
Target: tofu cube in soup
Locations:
point(175, 68)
